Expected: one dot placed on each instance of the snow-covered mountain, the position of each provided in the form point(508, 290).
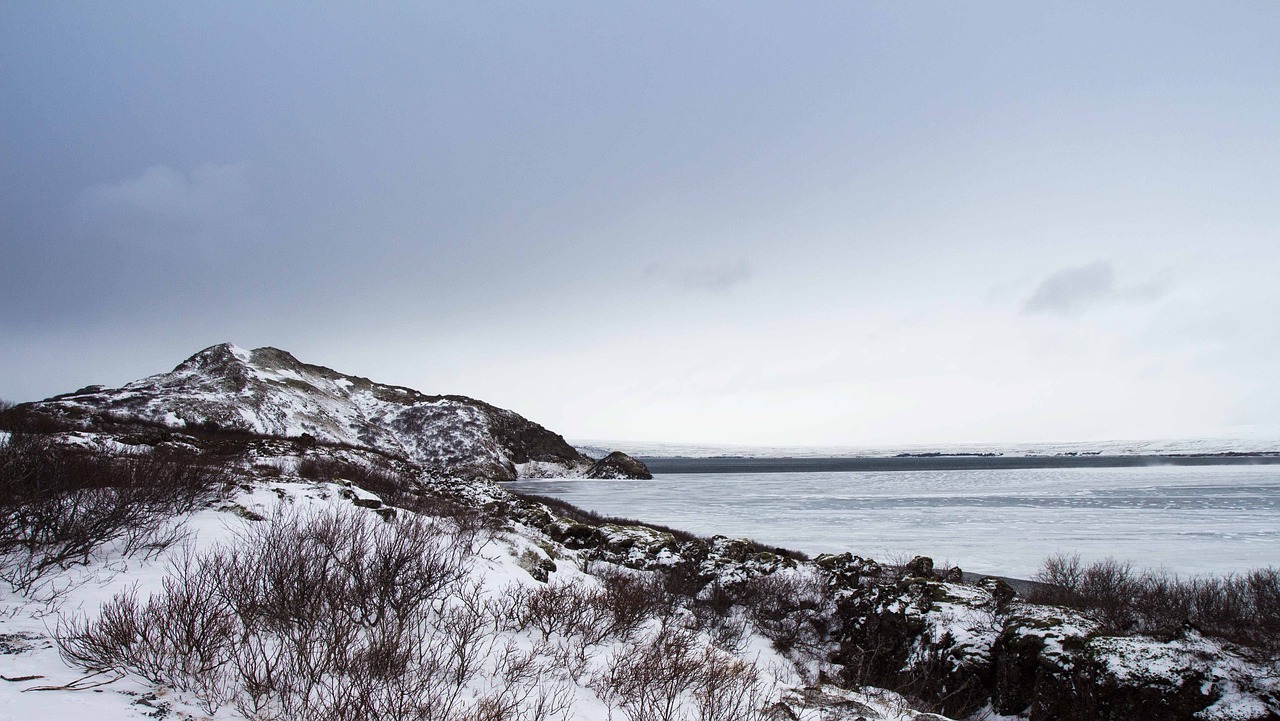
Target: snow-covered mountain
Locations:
point(267, 391)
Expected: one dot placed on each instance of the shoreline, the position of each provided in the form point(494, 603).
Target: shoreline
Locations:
point(673, 465)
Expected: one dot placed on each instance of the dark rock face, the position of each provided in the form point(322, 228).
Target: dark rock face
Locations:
point(526, 441)
point(999, 589)
point(920, 566)
point(966, 646)
point(1048, 670)
point(619, 465)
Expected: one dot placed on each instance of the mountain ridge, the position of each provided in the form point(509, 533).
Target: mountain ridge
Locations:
point(268, 391)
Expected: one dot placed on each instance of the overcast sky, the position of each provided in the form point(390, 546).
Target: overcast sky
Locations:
point(822, 223)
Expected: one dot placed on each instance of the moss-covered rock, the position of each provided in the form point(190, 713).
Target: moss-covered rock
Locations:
point(539, 567)
point(571, 533)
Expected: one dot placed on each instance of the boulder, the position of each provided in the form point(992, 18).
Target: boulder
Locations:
point(618, 465)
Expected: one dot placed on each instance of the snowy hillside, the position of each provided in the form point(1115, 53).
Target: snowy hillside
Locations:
point(288, 597)
point(315, 584)
point(269, 392)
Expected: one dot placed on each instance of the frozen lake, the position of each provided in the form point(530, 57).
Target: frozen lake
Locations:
point(1206, 519)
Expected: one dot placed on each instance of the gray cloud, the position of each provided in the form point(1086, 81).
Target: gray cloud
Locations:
point(438, 194)
point(164, 206)
point(706, 276)
point(1072, 290)
point(1149, 292)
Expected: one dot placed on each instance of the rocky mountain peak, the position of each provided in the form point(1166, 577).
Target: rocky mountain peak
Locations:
point(267, 391)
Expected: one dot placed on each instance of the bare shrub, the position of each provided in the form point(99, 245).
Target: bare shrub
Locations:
point(729, 689)
point(672, 677)
point(1244, 609)
point(1113, 590)
point(648, 681)
point(1059, 577)
point(790, 609)
point(523, 690)
point(466, 634)
point(304, 568)
point(59, 504)
point(574, 619)
point(471, 528)
point(21, 419)
point(631, 598)
point(181, 637)
point(1263, 590)
point(1108, 590)
point(565, 609)
point(334, 615)
point(716, 611)
point(379, 479)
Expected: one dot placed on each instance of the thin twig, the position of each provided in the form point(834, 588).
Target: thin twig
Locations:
point(78, 684)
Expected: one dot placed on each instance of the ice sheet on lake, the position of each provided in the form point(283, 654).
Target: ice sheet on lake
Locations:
point(1260, 444)
point(1188, 520)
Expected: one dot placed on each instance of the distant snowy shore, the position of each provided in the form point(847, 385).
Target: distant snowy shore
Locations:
point(1165, 447)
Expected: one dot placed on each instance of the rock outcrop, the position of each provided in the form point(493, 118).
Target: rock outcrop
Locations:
point(618, 465)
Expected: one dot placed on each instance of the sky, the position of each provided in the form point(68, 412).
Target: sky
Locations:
point(753, 223)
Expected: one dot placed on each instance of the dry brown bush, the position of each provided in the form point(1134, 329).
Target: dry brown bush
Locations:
point(1243, 609)
point(59, 504)
point(790, 609)
point(335, 615)
point(379, 479)
point(672, 676)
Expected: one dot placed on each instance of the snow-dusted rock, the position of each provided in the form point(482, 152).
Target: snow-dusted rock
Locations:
point(972, 647)
point(1054, 663)
point(618, 465)
point(269, 392)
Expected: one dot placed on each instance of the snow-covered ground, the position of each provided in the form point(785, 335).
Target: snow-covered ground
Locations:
point(35, 683)
point(1215, 519)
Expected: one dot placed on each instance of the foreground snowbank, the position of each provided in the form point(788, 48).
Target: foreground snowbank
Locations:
point(567, 678)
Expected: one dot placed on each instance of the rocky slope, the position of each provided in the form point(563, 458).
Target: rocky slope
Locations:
point(970, 650)
point(267, 391)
